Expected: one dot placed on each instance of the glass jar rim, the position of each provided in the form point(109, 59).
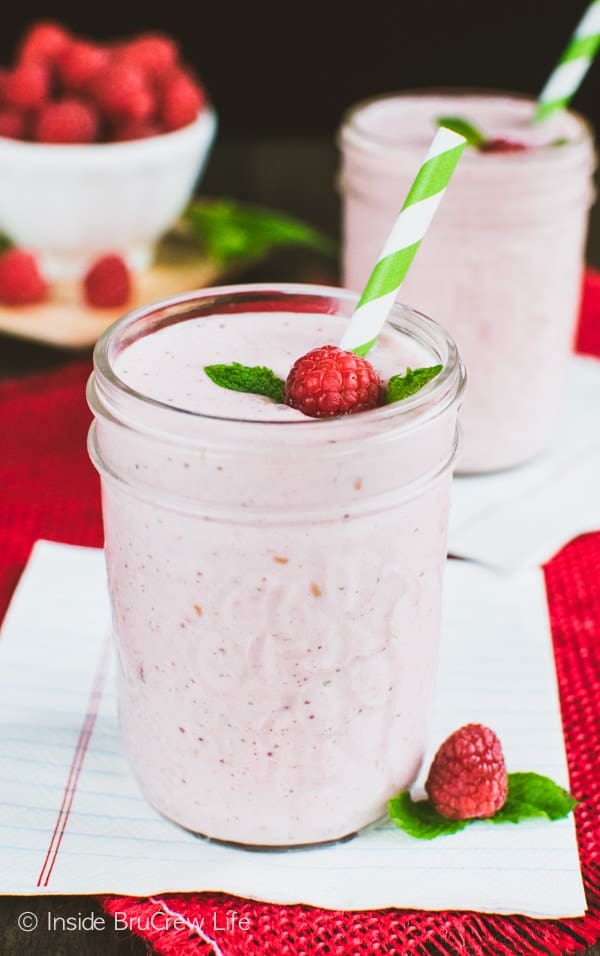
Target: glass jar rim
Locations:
point(349, 129)
point(425, 404)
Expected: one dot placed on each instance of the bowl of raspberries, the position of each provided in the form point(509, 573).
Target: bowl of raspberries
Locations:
point(101, 147)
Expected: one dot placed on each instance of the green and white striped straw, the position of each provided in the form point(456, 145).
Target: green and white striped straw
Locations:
point(566, 79)
point(405, 238)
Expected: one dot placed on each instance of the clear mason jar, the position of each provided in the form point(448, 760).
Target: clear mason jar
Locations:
point(275, 586)
point(501, 266)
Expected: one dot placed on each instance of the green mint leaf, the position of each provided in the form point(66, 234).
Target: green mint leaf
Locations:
point(420, 819)
point(231, 231)
point(413, 380)
point(533, 795)
point(256, 379)
point(457, 124)
point(529, 795)
point(5, 243)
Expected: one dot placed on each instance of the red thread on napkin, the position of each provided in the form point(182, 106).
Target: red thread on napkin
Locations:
point(50, 490)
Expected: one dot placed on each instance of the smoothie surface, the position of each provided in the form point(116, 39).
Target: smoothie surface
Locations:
point(168, 365)
point(398, 121)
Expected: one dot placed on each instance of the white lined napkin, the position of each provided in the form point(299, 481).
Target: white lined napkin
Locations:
point(73, 819)
point(525, 515)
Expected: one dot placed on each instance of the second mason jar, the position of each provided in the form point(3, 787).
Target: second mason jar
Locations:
point(501, 267)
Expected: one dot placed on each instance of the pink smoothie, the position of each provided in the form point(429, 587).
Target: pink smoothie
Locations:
point(500, 267)
point(275, 581)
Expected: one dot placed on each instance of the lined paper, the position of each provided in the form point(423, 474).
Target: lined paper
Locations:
point(74, 821)
point(525, 515)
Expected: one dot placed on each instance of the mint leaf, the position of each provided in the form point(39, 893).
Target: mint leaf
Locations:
point(533, 795)
point(413, 380)
point(420, 819)
point(457, 124)
point(529, 795)
point(232, 231)
point(256, 379)
point(5, 243)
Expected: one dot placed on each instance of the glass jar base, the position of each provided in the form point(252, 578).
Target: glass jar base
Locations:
point(264, 847)
point(473, 470)
point(277, 848)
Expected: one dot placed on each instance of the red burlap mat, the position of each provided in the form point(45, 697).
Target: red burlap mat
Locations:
point(49, 490)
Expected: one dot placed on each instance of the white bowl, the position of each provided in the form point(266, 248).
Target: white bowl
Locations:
point(69, 204)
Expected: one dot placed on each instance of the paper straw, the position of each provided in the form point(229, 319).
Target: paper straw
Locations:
point(405, 238)
point(566, 79)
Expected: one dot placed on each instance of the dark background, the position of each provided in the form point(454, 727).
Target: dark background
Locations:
point(281, 74)
point(292, 68)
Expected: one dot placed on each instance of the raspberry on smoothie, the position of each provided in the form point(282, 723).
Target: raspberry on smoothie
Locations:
point(329, 381)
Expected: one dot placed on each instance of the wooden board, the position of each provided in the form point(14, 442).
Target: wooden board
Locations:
point(65, 321)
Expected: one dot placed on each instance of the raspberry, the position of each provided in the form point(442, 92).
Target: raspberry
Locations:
point(153, 53)
point(107, 284)
point(70, 121)
point(43, 43)
point(123, 93)
point(502, 146)
point(12, 124)
point(27, 86)
point(329, 381)
point(80, 63)
point(182, 100)
point(20, 279)
point(467, 778)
